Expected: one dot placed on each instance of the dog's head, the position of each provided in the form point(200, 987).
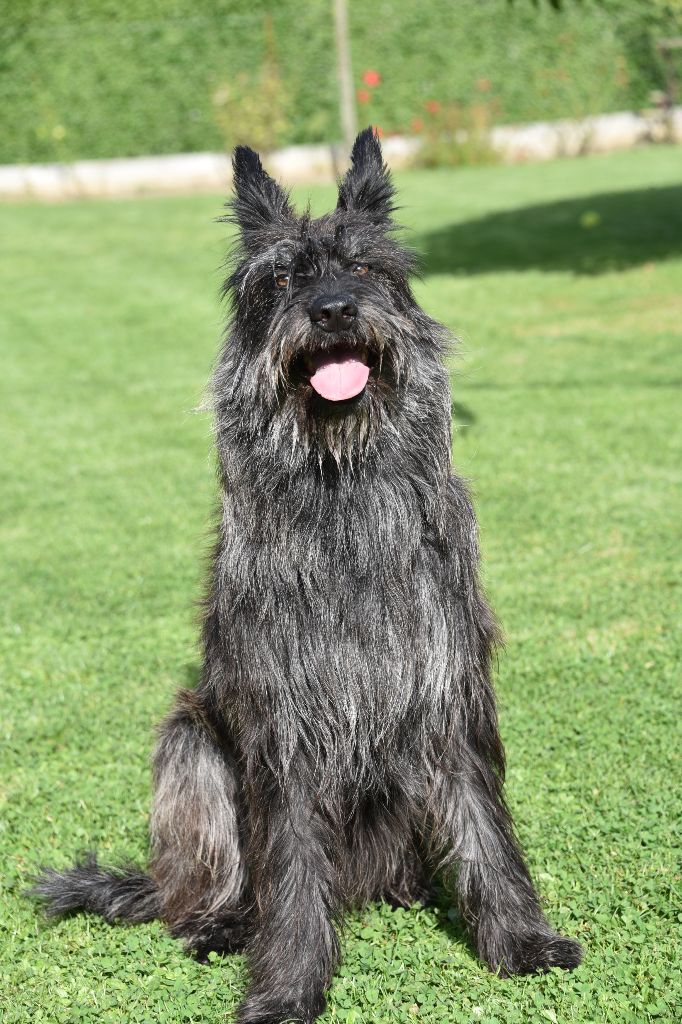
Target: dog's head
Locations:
point(325, 330)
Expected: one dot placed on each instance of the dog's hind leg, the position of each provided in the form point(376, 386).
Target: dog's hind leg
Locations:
point(197, 861)
point(474, 836)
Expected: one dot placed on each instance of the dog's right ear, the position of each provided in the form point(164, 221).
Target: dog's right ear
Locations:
point(258, 201)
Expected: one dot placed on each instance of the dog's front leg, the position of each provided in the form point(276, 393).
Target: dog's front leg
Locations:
point(475, 836)
point(294, 947)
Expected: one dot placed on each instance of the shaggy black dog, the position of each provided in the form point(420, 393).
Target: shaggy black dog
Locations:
point(342, 744)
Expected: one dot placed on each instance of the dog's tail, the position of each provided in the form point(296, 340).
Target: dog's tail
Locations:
point(117, 894)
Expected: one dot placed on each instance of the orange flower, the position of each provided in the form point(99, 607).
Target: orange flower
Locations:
point(433, 106)
point(371, 78)
point(363, 96)
point(417, 125)
point(378, 131)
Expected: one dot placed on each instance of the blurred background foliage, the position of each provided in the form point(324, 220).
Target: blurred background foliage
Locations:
point(125, 77)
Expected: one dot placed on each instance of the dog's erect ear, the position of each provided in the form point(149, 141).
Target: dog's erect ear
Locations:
point(258, 200)
point(367, 185)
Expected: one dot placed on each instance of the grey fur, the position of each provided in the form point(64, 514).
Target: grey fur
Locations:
point(342, 745)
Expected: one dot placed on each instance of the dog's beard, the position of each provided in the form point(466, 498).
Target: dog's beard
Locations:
point(305, 422)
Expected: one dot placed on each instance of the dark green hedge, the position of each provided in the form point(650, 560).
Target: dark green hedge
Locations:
point(122, 77)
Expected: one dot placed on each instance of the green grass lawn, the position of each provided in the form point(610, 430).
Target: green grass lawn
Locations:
point(564, 282)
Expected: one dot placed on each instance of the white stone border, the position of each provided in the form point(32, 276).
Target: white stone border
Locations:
point(211, 172)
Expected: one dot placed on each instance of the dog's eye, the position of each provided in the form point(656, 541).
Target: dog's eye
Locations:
point(359, 269)
point(281, 280)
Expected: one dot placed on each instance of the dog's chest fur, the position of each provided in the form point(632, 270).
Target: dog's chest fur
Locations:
point(346, 643)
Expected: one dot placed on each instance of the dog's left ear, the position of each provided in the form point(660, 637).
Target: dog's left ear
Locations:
point(258, 200)
point(367, 185)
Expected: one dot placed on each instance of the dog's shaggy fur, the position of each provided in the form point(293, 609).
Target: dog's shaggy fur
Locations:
point(342, 744)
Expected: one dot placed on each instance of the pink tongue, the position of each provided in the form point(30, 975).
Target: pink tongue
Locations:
point(339, 376)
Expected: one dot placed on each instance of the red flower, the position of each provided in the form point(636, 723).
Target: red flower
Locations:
point(363, 96)
point(417, 125)
point(433, 106)
point(371, 78)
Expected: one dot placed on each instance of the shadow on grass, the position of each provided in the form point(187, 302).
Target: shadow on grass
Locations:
point(591, 235)
point(452, 924)
point(462, 415)
point(192, 673)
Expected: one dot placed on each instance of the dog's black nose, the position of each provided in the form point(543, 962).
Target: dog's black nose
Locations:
point(333, 312)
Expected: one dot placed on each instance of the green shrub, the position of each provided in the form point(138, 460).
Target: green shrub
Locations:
point(122, 77)
point(253, 108)
point(456, 135)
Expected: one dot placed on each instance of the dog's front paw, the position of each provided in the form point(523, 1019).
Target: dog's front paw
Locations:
point(270, 1017)
point(538, 952)
point(266, 1010)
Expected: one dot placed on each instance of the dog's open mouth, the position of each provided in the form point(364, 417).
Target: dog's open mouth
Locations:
point(338, 373)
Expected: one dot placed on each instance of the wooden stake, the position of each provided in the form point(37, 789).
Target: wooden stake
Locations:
point(344, 71)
